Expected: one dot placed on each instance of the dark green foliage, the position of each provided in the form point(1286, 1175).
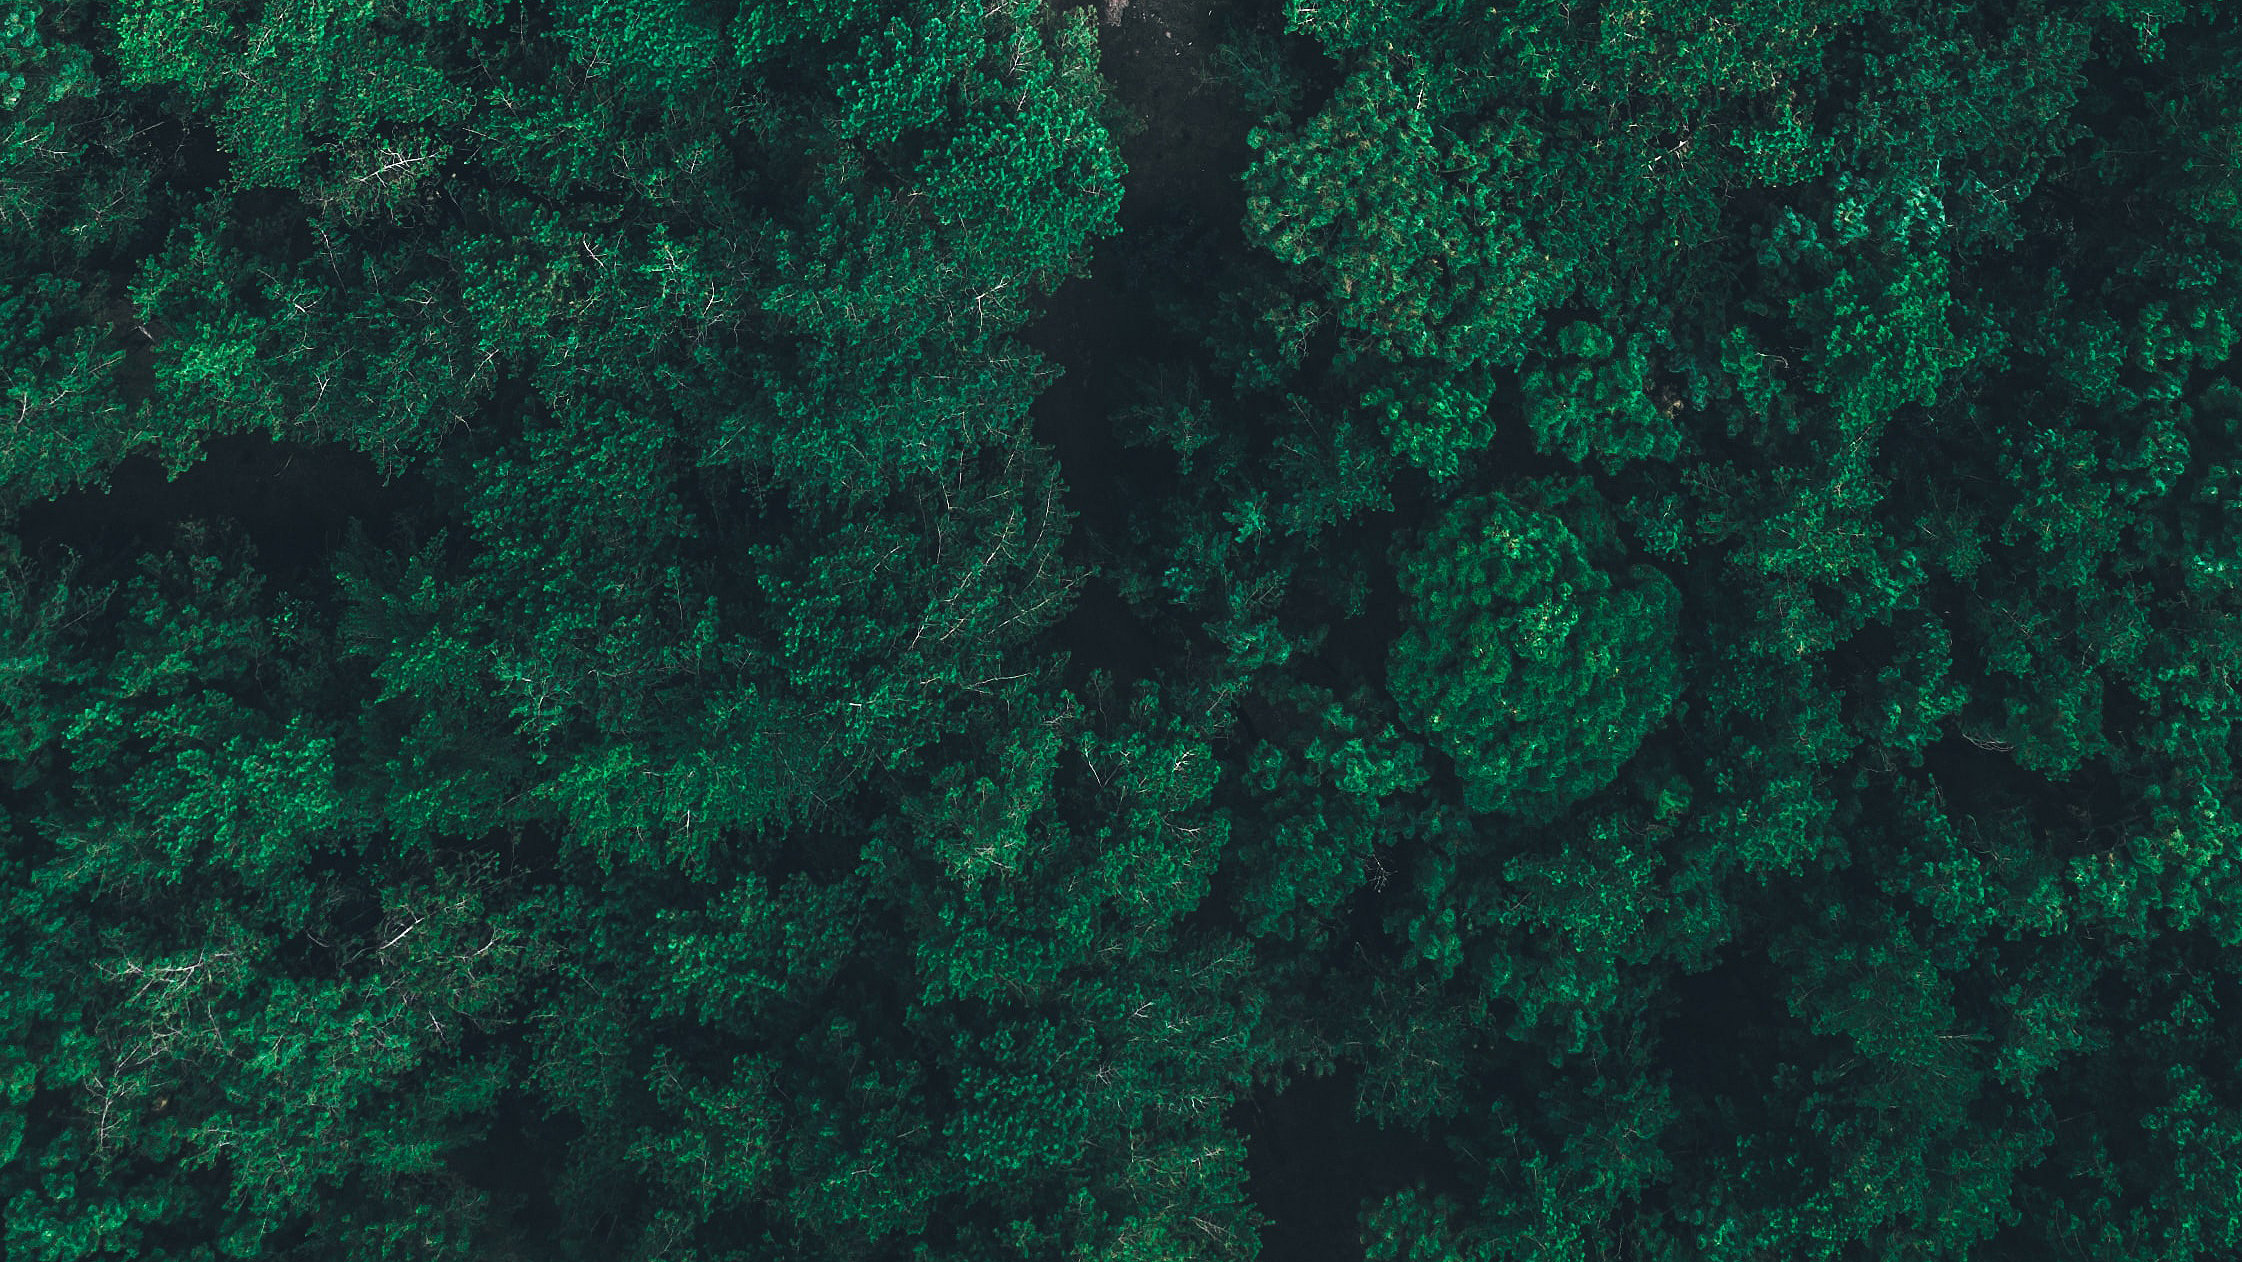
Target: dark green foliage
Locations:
point(1525, 663)
point(1655, 585)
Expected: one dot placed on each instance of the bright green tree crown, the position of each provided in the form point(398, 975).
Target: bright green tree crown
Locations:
point(1525, 663)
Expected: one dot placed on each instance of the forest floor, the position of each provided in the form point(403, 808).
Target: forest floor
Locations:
point(1311, 1163)
point(1160, 59)
point(1183, 160)
point(1104, 330)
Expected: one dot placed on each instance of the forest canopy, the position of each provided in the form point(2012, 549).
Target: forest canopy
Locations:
point(890, 629)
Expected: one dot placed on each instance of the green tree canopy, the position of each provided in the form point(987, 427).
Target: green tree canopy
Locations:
point(1529, 666)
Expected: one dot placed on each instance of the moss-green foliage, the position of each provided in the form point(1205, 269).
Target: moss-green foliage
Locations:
point(1594, 400)
point(1896, 337)
point(627, 782)
point(1534, 671)
point(1659, 588)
